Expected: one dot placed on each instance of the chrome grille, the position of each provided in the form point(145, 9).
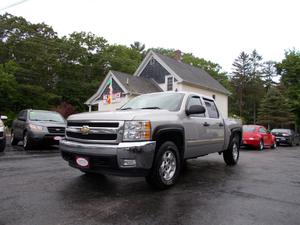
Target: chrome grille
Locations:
point(95, 131)
point(57, 130)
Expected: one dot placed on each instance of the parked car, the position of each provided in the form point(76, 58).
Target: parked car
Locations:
point(286, 136)
point(36, 127)
point(151, 136)
point(258, 137)
point(2, 134)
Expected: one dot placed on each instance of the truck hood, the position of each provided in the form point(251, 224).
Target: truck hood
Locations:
point(119, 115)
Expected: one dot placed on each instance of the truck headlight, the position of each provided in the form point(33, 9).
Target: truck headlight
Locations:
point(137, 131)
point(34, 127)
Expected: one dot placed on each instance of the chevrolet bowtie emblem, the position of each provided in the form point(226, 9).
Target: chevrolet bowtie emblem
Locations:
point(85, 130)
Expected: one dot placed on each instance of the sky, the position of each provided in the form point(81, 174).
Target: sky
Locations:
point(215, 30)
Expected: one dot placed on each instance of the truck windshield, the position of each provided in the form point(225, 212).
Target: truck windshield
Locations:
point(169, 101)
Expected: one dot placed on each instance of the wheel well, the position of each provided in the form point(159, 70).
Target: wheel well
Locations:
point(176, 136)
point(237, 133)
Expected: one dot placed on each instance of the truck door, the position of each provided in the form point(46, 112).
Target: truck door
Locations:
point(196, 131)
point(215, 129)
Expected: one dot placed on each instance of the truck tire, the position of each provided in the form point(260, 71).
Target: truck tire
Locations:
point(166, 166)
point(232, 154)
point(27, 142)
point(13, 140)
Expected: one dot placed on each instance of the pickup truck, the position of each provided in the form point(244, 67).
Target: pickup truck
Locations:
point(152, 135)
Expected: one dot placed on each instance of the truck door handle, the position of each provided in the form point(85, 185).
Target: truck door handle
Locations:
point(221, 124)
point(206, 124)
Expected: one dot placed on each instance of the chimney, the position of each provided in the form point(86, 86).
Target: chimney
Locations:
point(178, 56)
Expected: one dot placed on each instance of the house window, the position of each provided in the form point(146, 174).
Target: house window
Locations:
point(170, 82)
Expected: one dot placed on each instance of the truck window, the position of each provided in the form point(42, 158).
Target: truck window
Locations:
point(211, 109)
point(195, 100)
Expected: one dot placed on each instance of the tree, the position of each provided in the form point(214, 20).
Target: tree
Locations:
point(275, 110)
point(268, 74)
point(240, 78)
point(289, 69)
point(138, 46)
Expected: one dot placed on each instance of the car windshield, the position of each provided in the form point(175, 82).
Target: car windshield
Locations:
point(249, 128)
point(281, 131)
point(169, 101)
point(45, 116)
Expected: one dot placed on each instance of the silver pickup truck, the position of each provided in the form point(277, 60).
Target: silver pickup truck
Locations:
point(151, 136)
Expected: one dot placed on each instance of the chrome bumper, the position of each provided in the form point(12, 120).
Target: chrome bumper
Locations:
point(141, 152)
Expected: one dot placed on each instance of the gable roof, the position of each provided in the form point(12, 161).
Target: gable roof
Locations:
point(128, 83)
point(136, 85)
point(188, 74)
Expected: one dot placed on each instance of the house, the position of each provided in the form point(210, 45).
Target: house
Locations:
point(156, 73)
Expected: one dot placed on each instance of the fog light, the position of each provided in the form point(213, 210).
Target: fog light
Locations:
point(129, 162)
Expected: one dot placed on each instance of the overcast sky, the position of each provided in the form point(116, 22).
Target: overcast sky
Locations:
point(215, 30)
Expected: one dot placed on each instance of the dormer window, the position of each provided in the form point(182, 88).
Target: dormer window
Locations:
point(170, 82)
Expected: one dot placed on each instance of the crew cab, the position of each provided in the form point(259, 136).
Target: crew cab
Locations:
point(151, 136)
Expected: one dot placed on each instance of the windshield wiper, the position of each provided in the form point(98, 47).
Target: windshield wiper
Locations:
point(153, 107)
point(126, 108)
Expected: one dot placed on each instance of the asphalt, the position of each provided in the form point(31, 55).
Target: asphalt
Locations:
point(38, 187)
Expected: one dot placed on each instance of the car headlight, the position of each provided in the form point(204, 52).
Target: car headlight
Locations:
point(1, 123)
point(34, 127)
point(137, 131)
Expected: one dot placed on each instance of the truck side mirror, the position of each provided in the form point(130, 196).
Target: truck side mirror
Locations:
point(195, 109)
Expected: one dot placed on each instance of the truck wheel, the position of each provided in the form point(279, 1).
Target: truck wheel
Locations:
point(27, 142)
point(232, 154)
point(166, 167)
point(13, 140)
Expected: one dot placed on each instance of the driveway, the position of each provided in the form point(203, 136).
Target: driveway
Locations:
point(38, 187)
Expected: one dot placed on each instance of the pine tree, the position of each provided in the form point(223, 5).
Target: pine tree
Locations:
point(275, 111)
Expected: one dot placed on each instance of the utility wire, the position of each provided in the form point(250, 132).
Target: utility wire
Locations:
point(14, 4)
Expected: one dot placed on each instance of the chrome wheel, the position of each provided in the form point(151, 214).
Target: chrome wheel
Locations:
point(12, 138)
point(235, 152)
point(25, 141)
point(261, 145)
point(168, 166)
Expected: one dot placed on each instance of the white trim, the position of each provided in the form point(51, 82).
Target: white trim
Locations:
point(160, 61)
point(91, 100)
point(166, 82)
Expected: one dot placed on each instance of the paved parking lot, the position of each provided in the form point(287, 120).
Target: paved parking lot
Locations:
point(38, 187)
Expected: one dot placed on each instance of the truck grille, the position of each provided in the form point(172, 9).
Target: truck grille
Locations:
point(95, 131)
point(56, 130)
point(92, 136)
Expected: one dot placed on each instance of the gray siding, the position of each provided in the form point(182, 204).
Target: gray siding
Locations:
point(155, 71)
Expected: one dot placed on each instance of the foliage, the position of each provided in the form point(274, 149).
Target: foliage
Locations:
point(275, 110)
point(289, 69)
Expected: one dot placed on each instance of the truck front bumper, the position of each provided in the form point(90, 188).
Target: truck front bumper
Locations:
point(125, 158)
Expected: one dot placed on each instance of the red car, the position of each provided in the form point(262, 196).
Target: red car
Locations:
point(258, 137)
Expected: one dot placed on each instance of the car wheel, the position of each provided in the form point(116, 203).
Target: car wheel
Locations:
point(261, 145)
point(232, 154)
point(27, 142)
point(166, 166)
point(13, 140)
point(274, 146)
